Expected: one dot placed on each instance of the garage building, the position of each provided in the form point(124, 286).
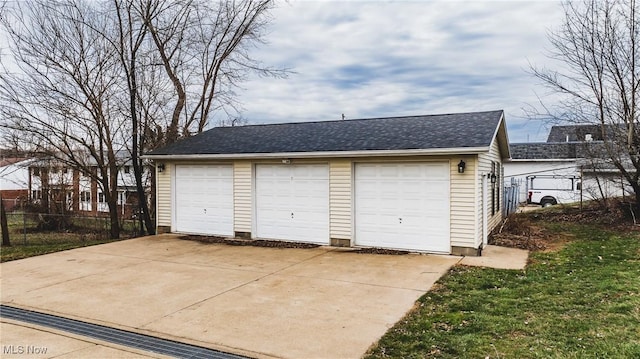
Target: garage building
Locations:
point(420, 183)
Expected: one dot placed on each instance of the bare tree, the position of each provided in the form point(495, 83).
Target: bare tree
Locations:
point(597, 48)
point(203, 47)
point(102, 77)
point(59, 102)
point(128, 43)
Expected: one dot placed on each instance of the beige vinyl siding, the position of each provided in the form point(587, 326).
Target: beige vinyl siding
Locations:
point(340, 177)
point(462, 203)
point(484, 169)
point(242, 188)
point(163, 195)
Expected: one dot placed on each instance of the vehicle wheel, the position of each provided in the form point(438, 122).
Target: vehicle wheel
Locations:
point(548, 202)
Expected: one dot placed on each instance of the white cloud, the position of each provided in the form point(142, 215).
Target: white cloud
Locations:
point(368, 59)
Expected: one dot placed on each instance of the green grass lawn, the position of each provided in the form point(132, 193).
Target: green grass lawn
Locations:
point(28, 241)
point(582, 301)
point(19, 252)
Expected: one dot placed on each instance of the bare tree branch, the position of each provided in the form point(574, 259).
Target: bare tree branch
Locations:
point(597, 47)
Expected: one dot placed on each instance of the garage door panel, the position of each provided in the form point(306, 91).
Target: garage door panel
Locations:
point(292, 202)
point(403, 205)
point(204, 199)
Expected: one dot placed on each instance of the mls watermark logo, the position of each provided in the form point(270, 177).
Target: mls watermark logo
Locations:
point(24, 350)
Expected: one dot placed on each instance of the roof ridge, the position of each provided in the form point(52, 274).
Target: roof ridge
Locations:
point(361, 119)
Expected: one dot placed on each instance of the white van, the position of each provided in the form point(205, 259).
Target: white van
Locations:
point(548, 190)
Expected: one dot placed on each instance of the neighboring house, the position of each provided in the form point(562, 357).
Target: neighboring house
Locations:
point(73, 191)
point(421, 183)
point(14, 181)
point(570, 155)
point(575, 133)
point(528, 160)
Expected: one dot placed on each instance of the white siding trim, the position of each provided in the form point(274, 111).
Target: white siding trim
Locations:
point(325, 154)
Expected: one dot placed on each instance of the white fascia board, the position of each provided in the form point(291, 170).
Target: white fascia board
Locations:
point(365, 153)
point(502, 124)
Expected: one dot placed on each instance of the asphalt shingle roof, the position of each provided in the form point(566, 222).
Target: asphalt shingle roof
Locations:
point(459, 130)
point(557, 151)
point(574, 133)
point(543, 150)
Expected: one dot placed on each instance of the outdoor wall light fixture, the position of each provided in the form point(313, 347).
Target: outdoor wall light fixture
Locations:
point(494, 178)
point(461, 166)
point(161, 167)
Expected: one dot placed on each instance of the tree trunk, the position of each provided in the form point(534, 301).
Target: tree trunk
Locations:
point(143, 208)
point(4, 225)
point(114, 231)
point(110, 186)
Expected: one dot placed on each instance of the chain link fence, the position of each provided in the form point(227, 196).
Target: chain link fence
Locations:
point(31, 228)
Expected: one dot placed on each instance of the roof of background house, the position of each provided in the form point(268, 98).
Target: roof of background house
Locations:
point(9, 161)
point(543, 151)
point(574, 133)
point(123, 158)
point(558, 150)
point(431, 132)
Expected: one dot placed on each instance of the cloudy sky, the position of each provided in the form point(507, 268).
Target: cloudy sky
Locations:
point(393, 58)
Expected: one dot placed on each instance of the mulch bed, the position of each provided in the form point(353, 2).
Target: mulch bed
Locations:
point(249, 242)
point(520, 231)
point(282, 244)
point(525, 231)
point(392, 252)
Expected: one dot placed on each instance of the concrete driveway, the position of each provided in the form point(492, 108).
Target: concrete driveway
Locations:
point(264, 302)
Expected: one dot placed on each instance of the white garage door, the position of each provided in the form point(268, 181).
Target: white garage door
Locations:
point(204, 199)
point(403, 206)
point(292, 202)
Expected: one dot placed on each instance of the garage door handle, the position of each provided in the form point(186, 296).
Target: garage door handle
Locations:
point(205, 211)
point(291, 214)
point(400, 219)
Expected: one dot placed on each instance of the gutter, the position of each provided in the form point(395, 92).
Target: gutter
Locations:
point(362, 153)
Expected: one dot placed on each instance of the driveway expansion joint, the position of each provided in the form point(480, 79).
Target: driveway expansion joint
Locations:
point(117, 336)
point(87, 276)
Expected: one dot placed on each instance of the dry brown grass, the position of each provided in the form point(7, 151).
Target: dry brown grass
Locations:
point(531, 230)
